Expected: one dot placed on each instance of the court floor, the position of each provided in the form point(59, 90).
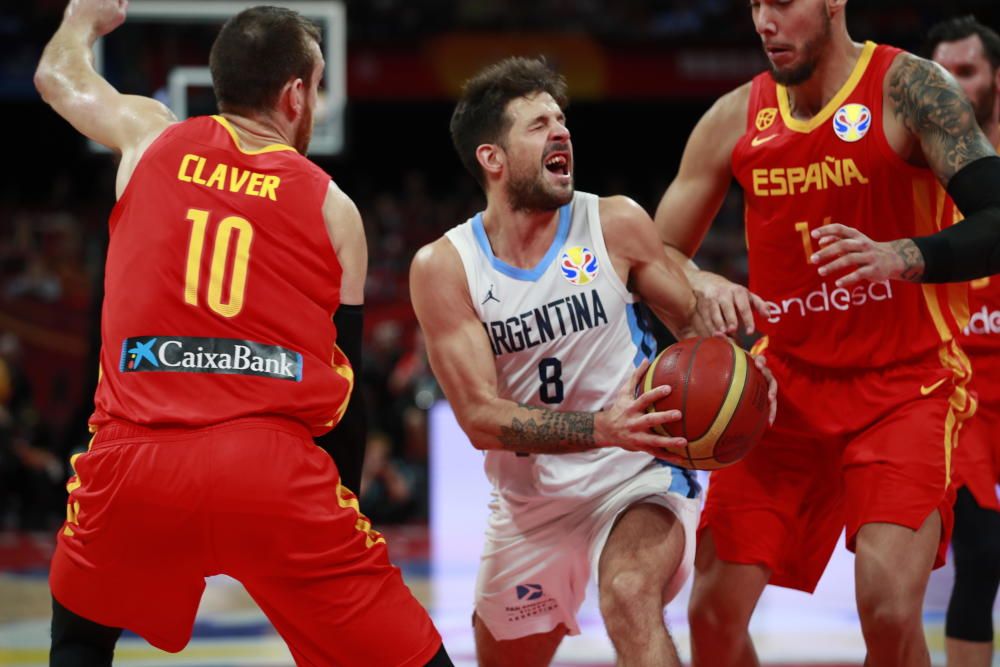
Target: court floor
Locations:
point(789, 628)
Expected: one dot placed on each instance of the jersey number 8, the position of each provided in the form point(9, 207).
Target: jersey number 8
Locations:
point(550, 374)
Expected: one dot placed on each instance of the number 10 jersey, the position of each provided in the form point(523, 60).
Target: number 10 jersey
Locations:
point(565, 335)
point(220, 285)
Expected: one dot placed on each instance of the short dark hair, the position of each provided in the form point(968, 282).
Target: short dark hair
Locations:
point(256, 53)
point(481, 114)
point(960, 27)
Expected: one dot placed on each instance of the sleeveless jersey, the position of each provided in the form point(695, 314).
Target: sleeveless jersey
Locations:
point(981, 336)
point(838, 167)
point(220, 286)
point(565, 335)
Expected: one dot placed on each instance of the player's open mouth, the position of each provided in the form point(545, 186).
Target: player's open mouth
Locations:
point(778, 52)
point(558, 163)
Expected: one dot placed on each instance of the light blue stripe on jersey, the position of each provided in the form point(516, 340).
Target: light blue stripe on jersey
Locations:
point(533, 274)
point(683, 482)
point(642, 335)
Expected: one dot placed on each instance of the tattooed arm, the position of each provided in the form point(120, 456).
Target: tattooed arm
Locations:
point(927, 101)
point(462, 360)
point(937, 117)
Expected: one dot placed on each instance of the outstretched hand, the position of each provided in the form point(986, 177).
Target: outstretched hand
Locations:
point(99, 16)
point(627, 424)
point(844, 248)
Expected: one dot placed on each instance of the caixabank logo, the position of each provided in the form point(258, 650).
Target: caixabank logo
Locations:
point(225, 356)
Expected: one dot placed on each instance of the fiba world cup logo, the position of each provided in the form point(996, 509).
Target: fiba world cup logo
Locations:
point(852, 122)
point(579, 265)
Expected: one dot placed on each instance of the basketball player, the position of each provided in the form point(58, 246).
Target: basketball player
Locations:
point(529, 310)
point(872, 379)
point(229, 253)
point(970, 51)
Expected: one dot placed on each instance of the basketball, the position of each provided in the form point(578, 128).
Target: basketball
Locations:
point(722, 397)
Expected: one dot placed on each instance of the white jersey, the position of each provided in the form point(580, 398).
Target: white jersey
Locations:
point(566, 335)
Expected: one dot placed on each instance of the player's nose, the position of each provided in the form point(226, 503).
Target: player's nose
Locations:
point(559, 132)
point(765, 22)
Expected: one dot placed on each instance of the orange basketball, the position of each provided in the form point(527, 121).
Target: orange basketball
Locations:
point(722, 397)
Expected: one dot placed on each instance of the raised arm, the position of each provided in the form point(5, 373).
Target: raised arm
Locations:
point(930, 105)
point(692, 201)
point(462, 360)
point(67, 81)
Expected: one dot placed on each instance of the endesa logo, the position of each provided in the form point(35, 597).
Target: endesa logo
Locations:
point(825, 300)
point(224, 356)
point(983, 322)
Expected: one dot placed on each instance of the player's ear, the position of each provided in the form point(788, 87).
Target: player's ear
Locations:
point(292, 99)
point(834, 7)
point(491, 158)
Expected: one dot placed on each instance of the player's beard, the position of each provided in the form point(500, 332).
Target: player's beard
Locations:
point(812, 51)
point(529, 191)
point(303, 134)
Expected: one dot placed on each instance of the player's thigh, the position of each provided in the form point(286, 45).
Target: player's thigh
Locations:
point(535, 566)
point(723, 593)
point(535, 650)
point(893, 563)
point(896, 472)
point(132, 553)
point(295, 538)
point(365, 618)
point(643, 553)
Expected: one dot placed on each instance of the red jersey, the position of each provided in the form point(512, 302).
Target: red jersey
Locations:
point(220, 286)
point(981, 336)
point(838, 167)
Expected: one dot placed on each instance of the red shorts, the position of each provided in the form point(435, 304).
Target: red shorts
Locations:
point(152, 512)
point(847, 448)
point(977, 456)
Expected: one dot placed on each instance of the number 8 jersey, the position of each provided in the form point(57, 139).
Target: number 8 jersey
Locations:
point(220, 286)
point(838, 167)
point(565, 335)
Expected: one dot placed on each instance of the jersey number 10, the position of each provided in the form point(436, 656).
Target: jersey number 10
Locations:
point(224, 233)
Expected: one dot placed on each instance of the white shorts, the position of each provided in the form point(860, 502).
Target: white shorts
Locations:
point(539, 556)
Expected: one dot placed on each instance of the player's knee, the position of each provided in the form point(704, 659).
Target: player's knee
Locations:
point(627, 593)
point(888, 616)
point(715, 615)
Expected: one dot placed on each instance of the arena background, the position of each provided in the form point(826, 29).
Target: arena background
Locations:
point(641, 72)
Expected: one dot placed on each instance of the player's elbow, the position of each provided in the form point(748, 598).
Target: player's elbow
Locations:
point(479, 434)
point(51, 81)
point(478, 427)
point(46, 81)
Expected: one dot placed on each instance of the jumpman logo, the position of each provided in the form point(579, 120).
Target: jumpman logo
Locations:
point(489, 296)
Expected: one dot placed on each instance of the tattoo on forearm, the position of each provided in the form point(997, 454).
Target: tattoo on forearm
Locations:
point(549, 432)
point(913, 260)
point(933, 108)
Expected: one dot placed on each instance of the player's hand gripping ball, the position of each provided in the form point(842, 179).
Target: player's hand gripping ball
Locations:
point(721, 394)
